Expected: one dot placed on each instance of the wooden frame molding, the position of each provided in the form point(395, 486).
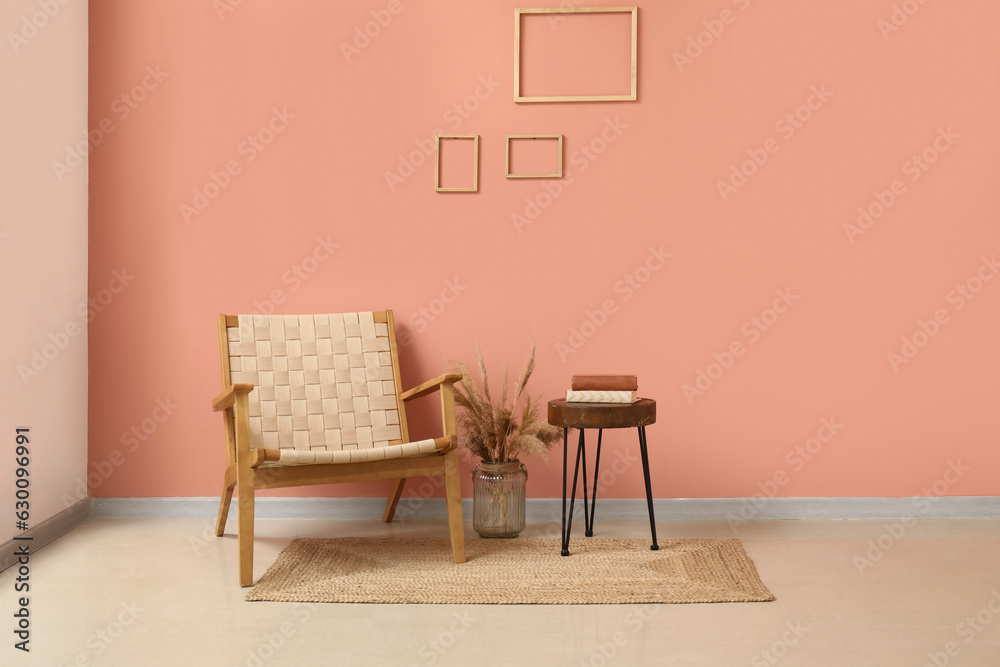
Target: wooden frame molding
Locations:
point(630, 97)
point(559, 169)
point(475, 162)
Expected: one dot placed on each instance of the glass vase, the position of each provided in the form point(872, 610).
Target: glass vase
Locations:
point(498, 491)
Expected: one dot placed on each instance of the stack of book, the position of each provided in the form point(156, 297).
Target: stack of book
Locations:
point(603, 389)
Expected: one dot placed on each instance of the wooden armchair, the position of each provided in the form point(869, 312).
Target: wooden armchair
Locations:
point(315, 399)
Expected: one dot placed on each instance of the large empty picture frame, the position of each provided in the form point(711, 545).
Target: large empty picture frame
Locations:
point(546, 141)
point(577, 54)
point(452, 138)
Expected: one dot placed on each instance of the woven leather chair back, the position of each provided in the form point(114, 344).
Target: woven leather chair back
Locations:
point(321, 382)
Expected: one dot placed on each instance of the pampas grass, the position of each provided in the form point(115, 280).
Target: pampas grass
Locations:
point(495, 432)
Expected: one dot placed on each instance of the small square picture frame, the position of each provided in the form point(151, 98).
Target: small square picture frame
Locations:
point(475, 162)
point(518, 137)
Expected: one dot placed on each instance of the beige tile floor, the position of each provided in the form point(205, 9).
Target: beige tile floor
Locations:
point(164, 592)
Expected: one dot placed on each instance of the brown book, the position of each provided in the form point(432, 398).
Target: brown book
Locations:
point(604, 382)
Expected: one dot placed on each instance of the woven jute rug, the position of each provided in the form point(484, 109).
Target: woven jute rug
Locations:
point(516, 571)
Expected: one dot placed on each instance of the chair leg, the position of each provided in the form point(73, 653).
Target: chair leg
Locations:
point(394, 496)
point(220, 521)
point(228, 484)
point(245, 496)
point(453, 499)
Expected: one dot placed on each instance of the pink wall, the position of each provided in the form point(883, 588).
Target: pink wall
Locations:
point(43, 258)
point(642, 178)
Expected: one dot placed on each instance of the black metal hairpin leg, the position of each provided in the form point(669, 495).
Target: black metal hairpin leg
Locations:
point(565, 546)
point(649, 490)
point(583, 460)
point(593, 500)
point(568, 524)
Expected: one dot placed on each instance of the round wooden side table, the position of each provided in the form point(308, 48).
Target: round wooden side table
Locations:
point(582, 416)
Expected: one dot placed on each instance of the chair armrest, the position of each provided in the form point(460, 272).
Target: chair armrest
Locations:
point(226, 399)
point(431, 386)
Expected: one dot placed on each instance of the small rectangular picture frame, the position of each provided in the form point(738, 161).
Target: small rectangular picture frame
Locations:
point(559, 170)
point(630, 97)
point(475, 162)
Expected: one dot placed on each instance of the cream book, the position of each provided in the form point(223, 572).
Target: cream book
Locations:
point(597, 396)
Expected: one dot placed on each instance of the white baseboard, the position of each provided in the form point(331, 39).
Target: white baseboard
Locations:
point(538, 509)
point(550, 509)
